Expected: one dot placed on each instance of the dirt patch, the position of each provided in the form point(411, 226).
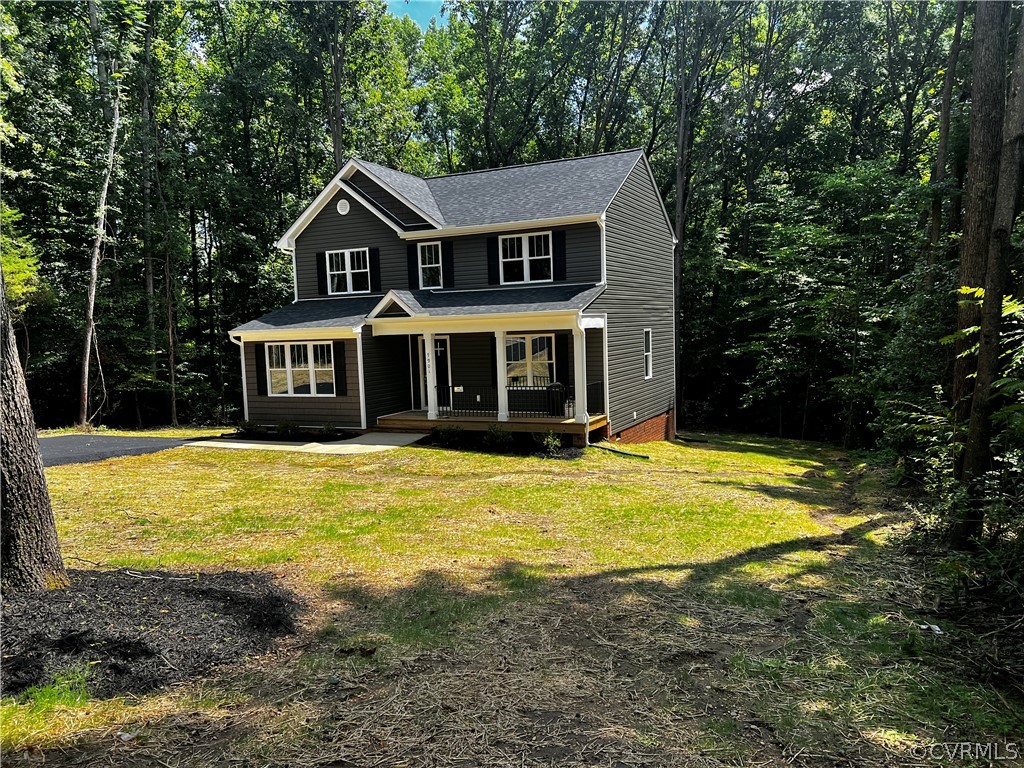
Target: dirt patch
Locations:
point(137, 631)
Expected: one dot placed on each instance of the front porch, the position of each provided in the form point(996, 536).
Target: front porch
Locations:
point(418, 421)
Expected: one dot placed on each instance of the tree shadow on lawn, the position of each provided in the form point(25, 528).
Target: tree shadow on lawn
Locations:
point(806, 659)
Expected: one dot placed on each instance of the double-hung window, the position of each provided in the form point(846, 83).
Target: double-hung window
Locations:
point(648, 354)
point(348, 271)
point(530, 360)
point(304, 368)
point(526, 258)
point(430, 265)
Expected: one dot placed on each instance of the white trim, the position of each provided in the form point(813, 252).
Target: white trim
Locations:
point(501, 363)
point(245, 388)
point(300, 334)
point(648, 356)
point(604, 249)
point(357, 195)
point(362, 386)
point(524, 257)
point(440, 264)
point(394, 192)
point(430, 373)
point(295, 277)
point(607, 384)
point(579, 354)
point(518, 321)
point(592, 321)
point(310, 368)
point(501, 226)
point(389, 297)
point(348, 272)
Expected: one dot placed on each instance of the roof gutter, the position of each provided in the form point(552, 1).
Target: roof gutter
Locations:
point(501, 226)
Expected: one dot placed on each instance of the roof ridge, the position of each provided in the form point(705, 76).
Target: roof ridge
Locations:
point(524, 165)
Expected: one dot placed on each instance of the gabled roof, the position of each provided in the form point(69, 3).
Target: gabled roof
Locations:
point(348, 312)
point(546, 193)
point(491, 301)
point(549, 190)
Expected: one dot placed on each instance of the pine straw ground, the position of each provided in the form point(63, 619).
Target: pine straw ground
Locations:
point(734, 602)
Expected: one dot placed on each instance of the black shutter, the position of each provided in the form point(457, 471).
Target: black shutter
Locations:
point(375, 270)
point(562, 358)
point(261, 368)
point(321, 273)
point(494, 361)
point(448, 264)
point(493, 266)
point(412, 253)
point(558, 247)
point(340, 377)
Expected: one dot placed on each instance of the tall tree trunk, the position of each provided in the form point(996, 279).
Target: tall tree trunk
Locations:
point(29, 553)
point(987, 107)
point(939, 174)
point(977, 457)
point(147, 182)
point(94, 262)
point(172, 373)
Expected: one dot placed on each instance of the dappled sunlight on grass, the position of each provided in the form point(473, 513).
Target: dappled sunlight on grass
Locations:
point(733, 584)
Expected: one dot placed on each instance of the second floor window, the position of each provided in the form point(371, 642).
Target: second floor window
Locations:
point(430, 265)
point(526, 258)
point(348, 271)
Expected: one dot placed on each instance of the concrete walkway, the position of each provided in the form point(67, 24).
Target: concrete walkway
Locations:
point(371, 442)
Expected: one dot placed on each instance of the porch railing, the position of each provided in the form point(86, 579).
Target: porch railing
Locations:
point(550, 401)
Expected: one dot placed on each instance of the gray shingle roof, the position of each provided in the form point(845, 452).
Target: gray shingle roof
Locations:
point(493, 301)
point(553, 189)
point(350, 312)
point(318, 313)
point(413, 188)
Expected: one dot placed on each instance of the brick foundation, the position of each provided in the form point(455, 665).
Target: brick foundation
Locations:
point(660, 427)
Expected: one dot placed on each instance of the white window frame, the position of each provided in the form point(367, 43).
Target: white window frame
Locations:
point(310, 366)
point(529, 337)
point(439, 265)
point(524, 249)
point(648, 354)
point(348, 271)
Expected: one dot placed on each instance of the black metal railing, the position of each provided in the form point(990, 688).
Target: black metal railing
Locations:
point(555, 401)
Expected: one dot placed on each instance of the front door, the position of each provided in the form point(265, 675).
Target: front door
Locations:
point(443, 367)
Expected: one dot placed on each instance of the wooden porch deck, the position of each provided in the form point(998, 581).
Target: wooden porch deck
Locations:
point(417, 421)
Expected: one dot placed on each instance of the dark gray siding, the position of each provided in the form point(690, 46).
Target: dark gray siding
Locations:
point(362, 229)
point(471, 359)
point(582, 256)
point(358, 229)
point(305, 411)
point(385, 199)
point(639, 295)
point(594, 344)
point(386, 371)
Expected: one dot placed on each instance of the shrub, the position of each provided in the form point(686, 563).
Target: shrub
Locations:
point(249, 428)
point(497, 439)
point(447, 436)
point(328, 430)
point(287, 429)
point(549, 444)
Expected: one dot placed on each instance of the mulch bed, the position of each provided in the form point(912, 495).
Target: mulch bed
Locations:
point(137, 631)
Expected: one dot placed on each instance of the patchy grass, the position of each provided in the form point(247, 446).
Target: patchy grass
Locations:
point(184, 432)
point(730, 599)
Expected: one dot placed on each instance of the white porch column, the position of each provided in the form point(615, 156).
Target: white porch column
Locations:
point(502, 379)
point(579, 353)
point(430, 364)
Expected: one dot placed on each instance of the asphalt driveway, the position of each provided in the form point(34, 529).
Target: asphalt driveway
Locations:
point(79, 449)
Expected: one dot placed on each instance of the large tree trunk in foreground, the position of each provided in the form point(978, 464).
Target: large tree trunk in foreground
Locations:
point(988, 100)
point(977, 456)
point(29, 555)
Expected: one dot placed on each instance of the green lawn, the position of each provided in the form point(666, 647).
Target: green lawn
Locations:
point(736, 599)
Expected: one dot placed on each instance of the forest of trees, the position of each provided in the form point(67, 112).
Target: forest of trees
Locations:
point(819, 160)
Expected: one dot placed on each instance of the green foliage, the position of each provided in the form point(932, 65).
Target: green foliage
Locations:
point(448, 436)
point(498, 440)
point(287, 429)
point(19, 262)
point(549, 444)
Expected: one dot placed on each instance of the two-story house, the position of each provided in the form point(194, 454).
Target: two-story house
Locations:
point(538, 297)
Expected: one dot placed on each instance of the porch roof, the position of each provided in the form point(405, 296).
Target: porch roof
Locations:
point(314, 313)
point(493, 301)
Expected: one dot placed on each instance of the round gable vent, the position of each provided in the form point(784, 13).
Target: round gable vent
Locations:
point(343, 207)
